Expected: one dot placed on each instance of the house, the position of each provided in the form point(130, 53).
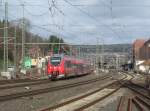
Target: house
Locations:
point(141, 55)
point(145, 50)
point(137, 45)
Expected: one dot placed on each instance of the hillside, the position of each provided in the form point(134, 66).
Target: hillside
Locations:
point(112, 48)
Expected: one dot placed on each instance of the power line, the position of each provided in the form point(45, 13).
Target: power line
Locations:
point(23, 32)
point(12, 15)
point(54, 5)
point(42, 14)
point(34, 15)
point(73, 25)
point(84, 5)
point(48, 30)
point(93, 18)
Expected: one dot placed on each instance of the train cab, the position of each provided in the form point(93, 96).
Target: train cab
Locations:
point(65, 66)
point(55, 67)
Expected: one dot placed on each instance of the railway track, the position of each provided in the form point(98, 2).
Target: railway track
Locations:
point(86, 100)
point(140, 101)
point(131, 103)
point(22, 83)
point(141, 90)
point(5, 82)
point(49, 89)
point(9, 86)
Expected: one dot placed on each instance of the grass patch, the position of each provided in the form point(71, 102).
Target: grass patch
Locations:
point(1, 65)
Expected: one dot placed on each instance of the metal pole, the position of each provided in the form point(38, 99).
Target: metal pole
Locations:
point(6, 34)
point(15, 49)
point(23, 33)
point(4, 56)
point(117, 62)
point(59, 46)
point(70, 50)
point(111, 9)
point(5, 38)
point(79, 52)
point(102, 56)
point(1, 2)
point(97, 56)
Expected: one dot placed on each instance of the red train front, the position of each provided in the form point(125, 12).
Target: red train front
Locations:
point(60, 66)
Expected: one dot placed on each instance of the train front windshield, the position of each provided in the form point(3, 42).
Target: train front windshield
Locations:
point(55, 60)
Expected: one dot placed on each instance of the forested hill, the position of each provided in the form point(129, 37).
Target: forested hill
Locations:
point(106, 48)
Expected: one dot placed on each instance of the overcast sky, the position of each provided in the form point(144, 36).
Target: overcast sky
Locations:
point(85, 21)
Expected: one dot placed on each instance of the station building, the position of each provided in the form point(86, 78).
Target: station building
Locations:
point(141, 54)
point(145, 50)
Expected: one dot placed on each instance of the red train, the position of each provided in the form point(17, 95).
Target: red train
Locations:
point(60, 66)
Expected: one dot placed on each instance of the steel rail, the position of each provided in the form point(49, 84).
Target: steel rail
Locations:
point(137, 91)
point(138, 105)
point(102, 98)
point(119, 108)
point(147, 104)
point(129, 107)
point(44, 81)
point(86, 95)
point(4, 82)
point(49, 89)
point(36, 82)
point(139, 86)
point(97, 100)
point(138, 101)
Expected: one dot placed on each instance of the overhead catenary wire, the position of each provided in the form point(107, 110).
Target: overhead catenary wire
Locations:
point(16, 20)
point(27, 4)
point(60, 35)
point(54, 6)
point(103, 25)
point(36, 15)
point(80, 26)
point(10, 15)
point(51, 31)
point(75, 25)
point(93, 18)
point(82, 5)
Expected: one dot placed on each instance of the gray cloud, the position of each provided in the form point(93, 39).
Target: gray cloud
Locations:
point(128, 19)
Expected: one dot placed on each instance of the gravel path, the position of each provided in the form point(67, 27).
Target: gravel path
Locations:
point(50, 84)
point(111, 103)
point(49, 99)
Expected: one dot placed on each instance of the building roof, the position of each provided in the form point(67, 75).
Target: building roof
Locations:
point(139, 43)
point(146, 62)
point(147, 42)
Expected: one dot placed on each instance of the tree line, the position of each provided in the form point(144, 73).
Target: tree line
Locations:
point(29, 38)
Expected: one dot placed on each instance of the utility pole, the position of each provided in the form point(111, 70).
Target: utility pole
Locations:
point(1, 2)
point(97, 56)
point(117, 62)
point(15, 49)
point(70, 50)
point(59, 46)
point(111, 9)
point(23, 33)
point(102, 52)
point(6, 38)
point(79, 53)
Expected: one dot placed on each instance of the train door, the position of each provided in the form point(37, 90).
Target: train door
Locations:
point(67, 68)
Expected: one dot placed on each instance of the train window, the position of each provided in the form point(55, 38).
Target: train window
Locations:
point(68, 64)
point(55, 60)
